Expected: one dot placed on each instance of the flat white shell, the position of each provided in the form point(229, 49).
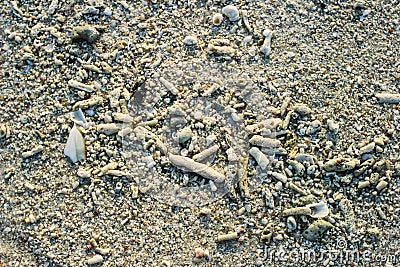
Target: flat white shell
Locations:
point(75, 147)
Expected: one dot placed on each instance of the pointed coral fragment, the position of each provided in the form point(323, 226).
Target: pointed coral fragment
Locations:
point(75, 147)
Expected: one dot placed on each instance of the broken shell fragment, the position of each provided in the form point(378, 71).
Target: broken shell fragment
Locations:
point(79, 119)
point(318, 210)
point(75, 147)
point(5, 131)
point(291, 223)
point(190, 40)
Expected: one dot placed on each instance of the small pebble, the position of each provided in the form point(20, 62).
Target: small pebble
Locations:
point(190, 40)
point(95, 259)
point(231, 12)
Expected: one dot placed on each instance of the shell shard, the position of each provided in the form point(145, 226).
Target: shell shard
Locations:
point(319, 210)
point(75, 146)
point(78, 117)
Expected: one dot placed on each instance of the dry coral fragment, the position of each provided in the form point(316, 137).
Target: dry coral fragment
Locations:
point(316, 230)
point(297, 211)
point(205, 154)
point(84, 104)
point(367, 148)
point(95, 259)
point(258, 140)
point(108, 128)
point(32, 152)
point(189, 165)
point(266, 46)
point(341, 164)
point(169, 86)
point(388, 98)
point(221, 50)
point(75, 147)
point(81, 86)
point(279, 176)
point(260, 157)
point(183, 135)
point(302, 109)
point(227, 237)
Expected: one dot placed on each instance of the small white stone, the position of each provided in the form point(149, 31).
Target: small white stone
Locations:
point(95, 259)
point(247, 39)
point(190, 40)
point(332, 126)
point(107, 11)
point(231, 12)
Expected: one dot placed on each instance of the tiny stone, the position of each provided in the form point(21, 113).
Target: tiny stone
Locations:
point(190, 40)
point(95, 259)
point(87, 33)
point(231, 12)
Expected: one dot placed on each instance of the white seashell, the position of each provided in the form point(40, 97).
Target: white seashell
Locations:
point(231, 12)
point(75, 147)
point(318, 210)
point(217, 19)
